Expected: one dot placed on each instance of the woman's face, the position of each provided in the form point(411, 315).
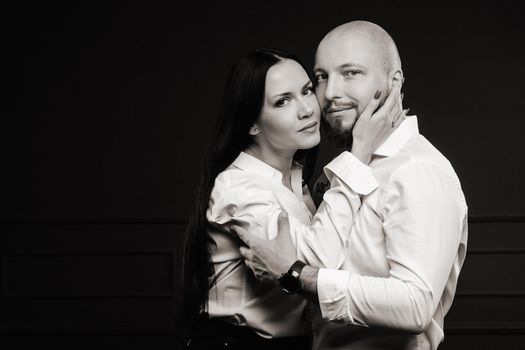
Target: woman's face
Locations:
point(290, 114)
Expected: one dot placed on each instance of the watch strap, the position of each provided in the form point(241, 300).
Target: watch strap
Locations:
point(296, 268)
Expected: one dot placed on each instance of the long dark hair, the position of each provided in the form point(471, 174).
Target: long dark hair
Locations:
point(241, 106)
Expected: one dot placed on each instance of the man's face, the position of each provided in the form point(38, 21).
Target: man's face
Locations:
point(348, 73)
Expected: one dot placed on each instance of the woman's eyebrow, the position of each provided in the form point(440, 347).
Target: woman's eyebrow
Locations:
point(288, 93)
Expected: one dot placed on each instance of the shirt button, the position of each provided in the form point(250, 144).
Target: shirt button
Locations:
point(344, 228)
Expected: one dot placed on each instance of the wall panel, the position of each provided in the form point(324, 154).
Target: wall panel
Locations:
point(114, 279)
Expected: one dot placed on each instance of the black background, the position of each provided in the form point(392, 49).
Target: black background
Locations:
point(112, 104)
point(107, 114)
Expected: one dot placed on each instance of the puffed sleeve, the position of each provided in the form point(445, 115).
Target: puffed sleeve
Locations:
point(255, 210)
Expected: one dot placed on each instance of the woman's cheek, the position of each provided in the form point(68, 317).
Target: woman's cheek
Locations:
point(282, 124)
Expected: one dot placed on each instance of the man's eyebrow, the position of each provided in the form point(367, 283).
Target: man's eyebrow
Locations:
point(350, 64)
point(306, 84)
point(342, 66)
point(288, 93)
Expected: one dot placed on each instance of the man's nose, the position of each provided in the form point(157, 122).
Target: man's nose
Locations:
point(332, 90)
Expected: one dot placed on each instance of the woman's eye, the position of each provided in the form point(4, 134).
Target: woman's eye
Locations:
point(282, 102)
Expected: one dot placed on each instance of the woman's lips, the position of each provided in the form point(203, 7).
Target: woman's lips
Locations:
point(308, 127)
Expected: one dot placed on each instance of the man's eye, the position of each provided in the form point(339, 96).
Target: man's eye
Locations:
point(282, 102)
point(351, 72)
point(308, 91)
point(320, 78)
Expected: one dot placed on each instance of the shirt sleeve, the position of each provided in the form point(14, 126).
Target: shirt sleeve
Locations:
point(322, 244)
point(255, 210)
point(424, 214)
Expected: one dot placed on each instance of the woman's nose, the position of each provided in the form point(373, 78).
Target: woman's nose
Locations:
point(306, 110)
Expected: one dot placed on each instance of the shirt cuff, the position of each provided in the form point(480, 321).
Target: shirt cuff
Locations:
point(355, 174)
point(332, 286)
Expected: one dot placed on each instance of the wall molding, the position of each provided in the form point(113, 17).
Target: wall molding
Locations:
point(183, 220)
point(485, 328)
point(497, 251)
point(169, 330)
point(92, 221)
point(489, 294)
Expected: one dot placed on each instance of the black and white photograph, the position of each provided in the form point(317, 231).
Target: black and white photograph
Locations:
point(202, 175)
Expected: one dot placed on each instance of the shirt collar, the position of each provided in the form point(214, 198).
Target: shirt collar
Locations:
point(248, 162)
point(399, 137)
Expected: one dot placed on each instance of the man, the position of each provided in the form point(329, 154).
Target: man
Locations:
point(408, 242)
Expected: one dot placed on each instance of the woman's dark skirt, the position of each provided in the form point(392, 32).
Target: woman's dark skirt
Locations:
point(210, 334)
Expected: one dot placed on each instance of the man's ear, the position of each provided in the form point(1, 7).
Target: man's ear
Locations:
point(395, 77)
point(254, 130)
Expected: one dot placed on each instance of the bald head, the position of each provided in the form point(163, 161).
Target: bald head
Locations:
point(380, 44)
point(353, 63)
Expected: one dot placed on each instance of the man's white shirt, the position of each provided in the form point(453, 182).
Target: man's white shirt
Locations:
point(403, 254)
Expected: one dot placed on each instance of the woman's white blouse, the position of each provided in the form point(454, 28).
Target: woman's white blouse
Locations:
point(250, 193)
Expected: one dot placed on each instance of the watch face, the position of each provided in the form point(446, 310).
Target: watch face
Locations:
point(289, 283)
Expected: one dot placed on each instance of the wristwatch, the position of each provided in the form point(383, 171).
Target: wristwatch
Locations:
point(289, 281)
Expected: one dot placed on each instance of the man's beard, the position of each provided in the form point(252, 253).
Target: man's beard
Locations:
point(340, 137)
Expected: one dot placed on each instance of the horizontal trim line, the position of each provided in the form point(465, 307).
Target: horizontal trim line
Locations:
point(90, 297)
point(176, 249)
point(81, 253)
point(489, 294)
point(92, 221)
point(508, 329)
point(181, 220)
point(501, 218)
point(168, 295)
point(51, 332)
point(490, 328)
point(495, 251)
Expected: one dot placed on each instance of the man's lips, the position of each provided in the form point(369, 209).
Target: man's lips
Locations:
point(333, 110)
point(308, 126)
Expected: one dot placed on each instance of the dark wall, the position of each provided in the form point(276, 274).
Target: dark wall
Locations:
point(107, 117)
point(110, 106)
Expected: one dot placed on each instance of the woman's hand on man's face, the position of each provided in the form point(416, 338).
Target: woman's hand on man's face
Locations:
point(373, 128)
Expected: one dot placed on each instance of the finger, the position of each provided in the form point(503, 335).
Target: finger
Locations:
point(284, 230)
point(247, 256)
point(397, 103)
point(243, 234)
point(402, 116)
point(396, 107)
point(283, 223)
point(245, 253)
point(372, 105)
point(392, 99)
point(393, 114)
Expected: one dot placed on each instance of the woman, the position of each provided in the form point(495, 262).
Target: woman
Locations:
point(264, 145)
